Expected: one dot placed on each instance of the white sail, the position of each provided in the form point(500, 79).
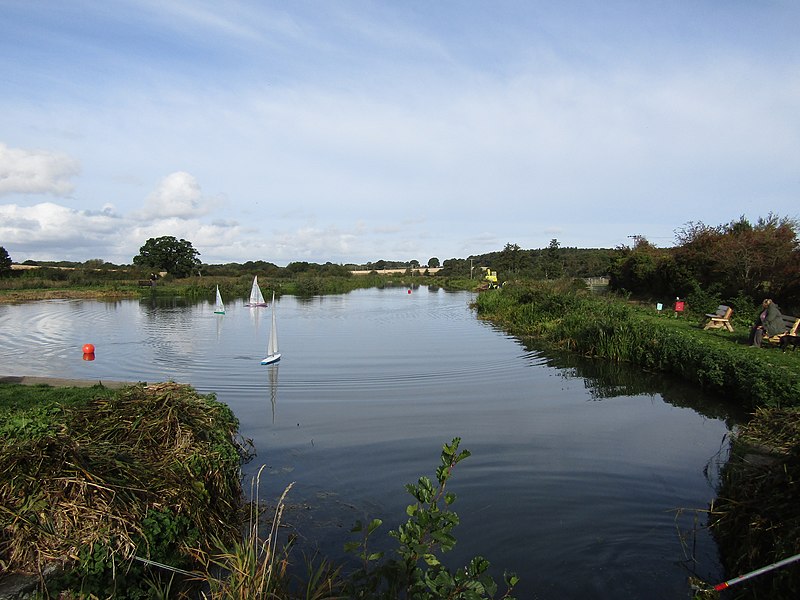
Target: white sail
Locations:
point(272, 345)
point(219, 307)
point(256, 297)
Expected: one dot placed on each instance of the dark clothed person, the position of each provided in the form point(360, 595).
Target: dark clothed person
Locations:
point(769, 321)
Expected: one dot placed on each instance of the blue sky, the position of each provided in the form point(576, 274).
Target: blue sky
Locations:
point(354, 131)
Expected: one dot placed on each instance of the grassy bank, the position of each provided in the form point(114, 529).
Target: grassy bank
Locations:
point(610, 328)
point(756, 518)
point(91, 478)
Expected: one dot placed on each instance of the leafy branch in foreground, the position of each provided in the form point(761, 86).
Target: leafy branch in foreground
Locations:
point(417, 572)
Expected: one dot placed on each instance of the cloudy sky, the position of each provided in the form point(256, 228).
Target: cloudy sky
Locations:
point(353, 131)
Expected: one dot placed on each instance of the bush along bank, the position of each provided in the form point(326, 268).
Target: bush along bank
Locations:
point(755, 518)
point(91, 478)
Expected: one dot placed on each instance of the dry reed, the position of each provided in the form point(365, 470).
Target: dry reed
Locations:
point(111, 462)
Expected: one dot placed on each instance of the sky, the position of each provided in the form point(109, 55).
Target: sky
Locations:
point(352, 131)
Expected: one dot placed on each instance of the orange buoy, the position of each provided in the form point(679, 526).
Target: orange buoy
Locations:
point(88, 356)
point(88, 348)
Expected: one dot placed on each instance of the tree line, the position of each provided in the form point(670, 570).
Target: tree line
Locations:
point(734, 262)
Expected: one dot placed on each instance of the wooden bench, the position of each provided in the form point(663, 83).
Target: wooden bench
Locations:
point(791, 323)
point(721, 318)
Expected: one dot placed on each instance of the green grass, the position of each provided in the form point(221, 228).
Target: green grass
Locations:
point(33, 412)
point(572, 319)
point(99, 476)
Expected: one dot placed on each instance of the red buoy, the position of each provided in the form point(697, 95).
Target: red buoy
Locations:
point(88, 348)
point(88, 356)
point(409, 291)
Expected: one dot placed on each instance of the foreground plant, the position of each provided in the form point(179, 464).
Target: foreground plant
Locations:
point(417, 571)
point(256, 568)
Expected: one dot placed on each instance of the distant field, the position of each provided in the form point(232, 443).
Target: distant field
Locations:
point(431, 270)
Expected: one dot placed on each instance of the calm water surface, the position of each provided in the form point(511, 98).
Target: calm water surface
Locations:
point(584, 476)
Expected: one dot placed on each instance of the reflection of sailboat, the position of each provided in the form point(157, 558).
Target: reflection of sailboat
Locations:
point(273, 387)
point(219, 307)
point(256, 297)
point(272, 346)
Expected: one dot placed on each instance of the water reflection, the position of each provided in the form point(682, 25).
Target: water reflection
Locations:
point(606, 379)
point(273, 387)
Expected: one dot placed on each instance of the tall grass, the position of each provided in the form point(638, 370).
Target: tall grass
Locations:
point(256, 567)
point(606, 327)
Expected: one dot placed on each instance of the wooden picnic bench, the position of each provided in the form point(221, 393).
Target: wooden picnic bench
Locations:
point(721, 318)
point(791, 323)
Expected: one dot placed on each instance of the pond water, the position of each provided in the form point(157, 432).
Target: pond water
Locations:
point(585, 477)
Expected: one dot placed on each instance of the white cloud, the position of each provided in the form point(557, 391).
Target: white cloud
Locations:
point(36, 172)
point(177, 195)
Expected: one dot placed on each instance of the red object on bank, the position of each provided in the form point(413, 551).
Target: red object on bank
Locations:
point(679, 305)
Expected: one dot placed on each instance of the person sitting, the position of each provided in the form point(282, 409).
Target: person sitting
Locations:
point(769, 320)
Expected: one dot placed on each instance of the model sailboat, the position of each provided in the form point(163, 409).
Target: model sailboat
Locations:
point(256, 297)
point(219, 307)
point(272, 346)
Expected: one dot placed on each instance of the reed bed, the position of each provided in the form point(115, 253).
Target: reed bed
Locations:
point(568, 317)
point(139, 472)
point(756, 518)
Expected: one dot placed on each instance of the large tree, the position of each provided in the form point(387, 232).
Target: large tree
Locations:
point(177, 257)
point(758, 259)
point(5, 262)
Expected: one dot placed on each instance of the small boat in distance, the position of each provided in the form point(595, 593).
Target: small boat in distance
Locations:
point(256, 297)
point(272, 345)
point(219, 307)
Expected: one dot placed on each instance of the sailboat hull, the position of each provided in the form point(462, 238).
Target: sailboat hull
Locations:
point(271, 359)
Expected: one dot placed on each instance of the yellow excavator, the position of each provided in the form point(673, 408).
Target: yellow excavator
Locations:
point(491, 279)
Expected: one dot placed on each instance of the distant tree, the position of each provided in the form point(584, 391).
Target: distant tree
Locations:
point(5, 263)
point(553, 266)
point(433, 262)
point(510, 259)
point(414, 264)
point(177, 257)
point(94, 263)
point(455, 267)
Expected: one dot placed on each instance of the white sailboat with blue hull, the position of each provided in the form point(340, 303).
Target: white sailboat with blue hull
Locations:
point(273, 355)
